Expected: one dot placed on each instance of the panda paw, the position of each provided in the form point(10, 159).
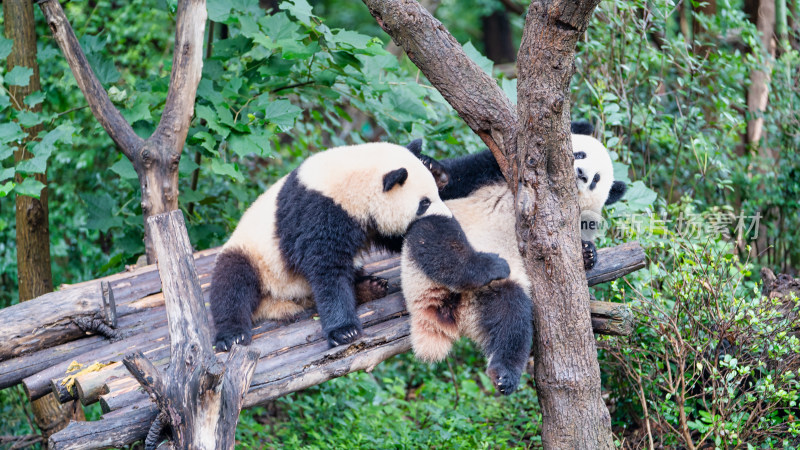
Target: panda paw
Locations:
point(494, 268)
point(225, 341)
point(344, 335)
point(370, 288)
point(589, 254)
point(505, 379)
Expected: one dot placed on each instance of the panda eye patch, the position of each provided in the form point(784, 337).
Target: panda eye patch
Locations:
point(579, 155)
point(594, 181)
point(423, 206)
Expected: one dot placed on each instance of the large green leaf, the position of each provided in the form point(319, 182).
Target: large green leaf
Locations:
point(6, 188)
point(10, 132)
point(228, 169)
point(483, 62)
point(282, 113)
point(100, 209)
point(30, 187)
point(19, 76)
point(6, 45)
point(300, 9)
point(124, 168)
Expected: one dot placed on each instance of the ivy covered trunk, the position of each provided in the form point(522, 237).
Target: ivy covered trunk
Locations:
point(33, 229)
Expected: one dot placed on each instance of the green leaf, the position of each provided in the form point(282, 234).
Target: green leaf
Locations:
point(247, 144)
point(5, 101)
point(352, 39)
point(139, 111)
point(639, 197)
point(30, 187)
point(210, 116)
point(103, 68)
point(6, 45)
point(99, 208)
point(279, 27)
point(6, 188)
point(34, 98)
point(218, 10)
point(282, 113)
point(29, 118)
point(228, 169)
point(6, 151)
point(249, 26)
point(483, 62)
point(510, 88)
point(19, 76)
point(300, 9)
point(10, 132)
point(124, 169)
point(7, 173)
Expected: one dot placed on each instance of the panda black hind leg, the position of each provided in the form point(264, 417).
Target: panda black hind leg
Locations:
point(506, 327)
point(235, 294)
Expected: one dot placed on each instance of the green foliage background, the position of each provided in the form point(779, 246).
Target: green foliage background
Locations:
point(278, 87)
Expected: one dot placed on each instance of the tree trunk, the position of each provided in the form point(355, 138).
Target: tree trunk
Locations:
point(538, 168)
point(33, 230)
point(567, 373)
point(156, 159)
point(762, 13)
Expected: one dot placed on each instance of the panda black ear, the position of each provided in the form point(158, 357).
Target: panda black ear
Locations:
point(582, 127)
point(415, 147)
point(398, 176)
point(618, 189)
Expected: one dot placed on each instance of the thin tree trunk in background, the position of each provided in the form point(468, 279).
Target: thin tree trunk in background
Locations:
point(762, 13)
point(497, 37)
point(782, 25)
point(33, 231)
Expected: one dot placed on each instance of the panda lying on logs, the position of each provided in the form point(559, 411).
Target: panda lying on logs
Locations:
point(443, 303)
point(301, 239)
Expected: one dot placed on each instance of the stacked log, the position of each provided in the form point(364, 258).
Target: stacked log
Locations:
point(294, 356)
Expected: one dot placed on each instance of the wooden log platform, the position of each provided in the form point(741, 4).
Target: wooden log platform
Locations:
point(294, 355)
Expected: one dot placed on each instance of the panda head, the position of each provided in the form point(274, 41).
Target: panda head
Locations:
point(594, 171)
point(382, 186)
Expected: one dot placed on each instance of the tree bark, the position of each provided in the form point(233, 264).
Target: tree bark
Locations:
point(762, 13)
point(155, 159)
point(534, 152)
point(33, 228)
point(199, 396)
point(566, 371)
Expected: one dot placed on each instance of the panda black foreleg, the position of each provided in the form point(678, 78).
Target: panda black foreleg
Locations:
point(505, 319)
point(589, 251)
point(440, 248)
point(235, 294)
point(336, 304)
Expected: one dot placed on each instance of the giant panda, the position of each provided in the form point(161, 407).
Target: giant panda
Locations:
point(301, 239)
point(459, 177)
point(497, 316)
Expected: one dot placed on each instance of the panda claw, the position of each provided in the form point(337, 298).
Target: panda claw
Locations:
point(225, 342)
point(589, 254)
point(343, 335)
point(505, 380)
point(370, 288)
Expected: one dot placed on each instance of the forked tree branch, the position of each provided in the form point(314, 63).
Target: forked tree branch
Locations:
point(473, 93)
point(106, 113)
point(187, 67)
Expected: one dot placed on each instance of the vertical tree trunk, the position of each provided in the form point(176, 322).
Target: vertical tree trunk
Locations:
point(566, 371)
point(762, 13)
point(33, 230)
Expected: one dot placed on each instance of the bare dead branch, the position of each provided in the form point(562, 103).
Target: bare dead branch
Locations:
point(187, 67)
point(104, 111)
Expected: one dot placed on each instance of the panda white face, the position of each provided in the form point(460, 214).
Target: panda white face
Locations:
point(593, 171)
point(380, 185)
